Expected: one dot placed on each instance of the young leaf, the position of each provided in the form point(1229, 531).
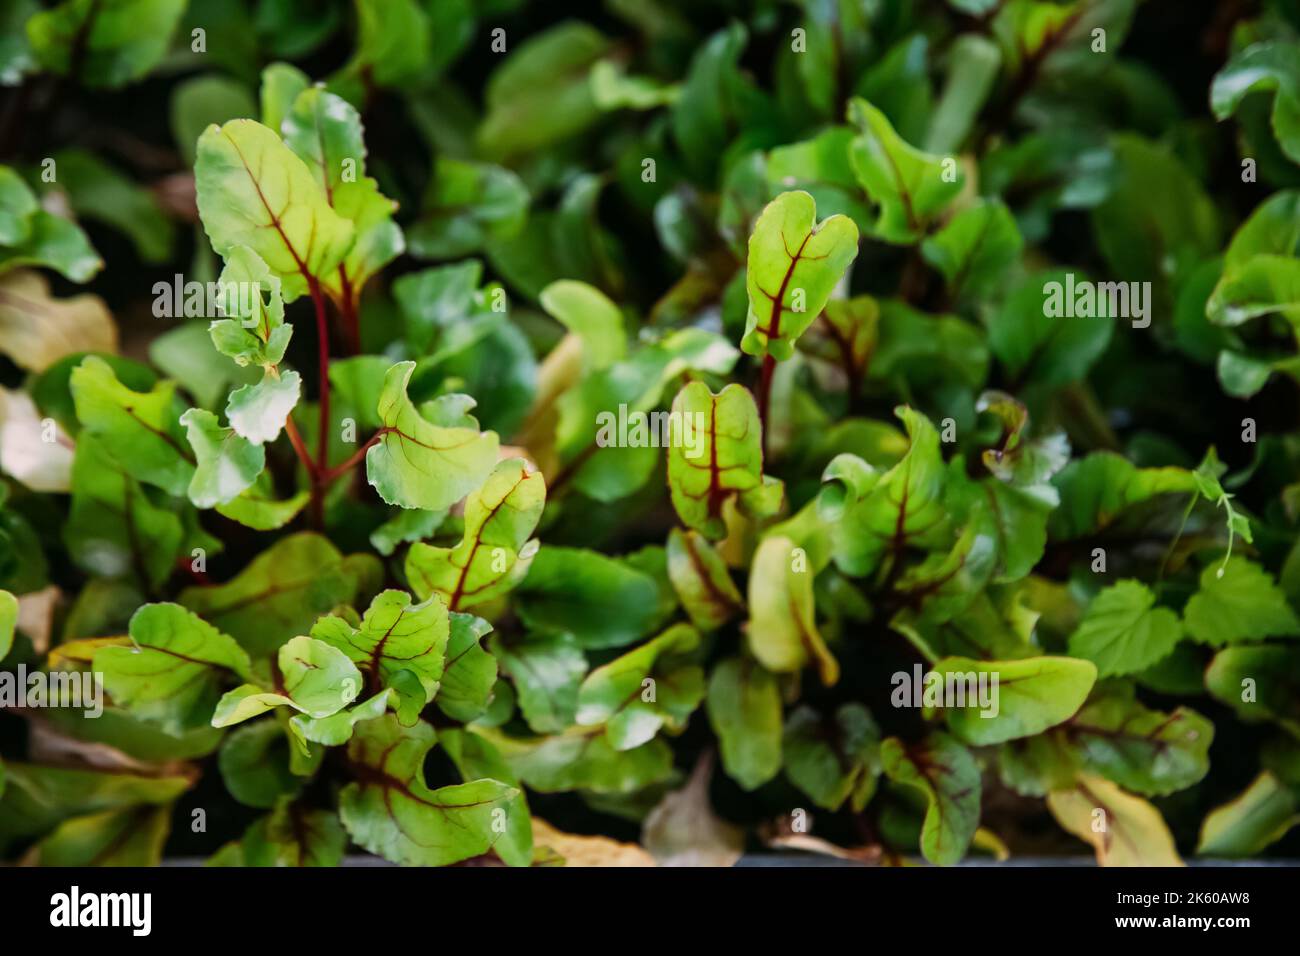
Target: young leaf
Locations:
point(947, 774)
point(494, 552)
point(1124, 632)
point(399, 645)
point(254, 191)
point(390, 810)
point(794, 264)
point(418, 464)
point(1030, 696)
point(171, 670)
point(782, 620)
point(872, 514)
point(258, 412)
point(701, 580)
point(314, 678)
point(228, 464)
point(911, 188)
point(257, 507)
point(256, 335)
point(717, 456)
point(645, 689)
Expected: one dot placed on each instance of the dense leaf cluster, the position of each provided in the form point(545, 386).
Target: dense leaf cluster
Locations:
point(647, 422)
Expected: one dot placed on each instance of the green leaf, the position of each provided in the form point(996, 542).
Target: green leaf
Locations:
point(258, 412)
point(541, 94)
point(142, 431)
point(258, 336)
point(399, 645)
point(338, 728)
point(106, 44)
point(715, 456)
point(701, 580)
point(582, 758)
point(254, 764)
point(946, 773)
point(257, 507)
point(589, 314)
point(8, 621)
point(1142, 750)
point(1270, 67)
point(471, 672)
point(974, 249)
point(546, 673)
point(833, 760)
point(475, 758)
point(394, 41)
point(1037, 347)
point(794, 264)
point(744, 704)
point(651, 687)
point(228, 464)
point(1157, 217)
point(114, 528)
point(133, 836)
point(910, 188)
point(405, 526)
point(782, 618)
point(172, 670)
point(602, 601)
point(1030, 696)
point(494, 553)
point(1253, 820)
point(279, 594)
point(314, 678)
point(97, 191)
point(202, 100)
point(1123, 632)
point(17, 207)
point(417, 464)
point(1238, 602)
point(821, 167)
point(466, 208)
point(294, 835)
point(390, 810)
point(38, 798)
point(1260, 682)
point(324, 130)
point(254, 191)
point(53, 242)
point(1096, 490)
point(1262, 285)
point(872, 515)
